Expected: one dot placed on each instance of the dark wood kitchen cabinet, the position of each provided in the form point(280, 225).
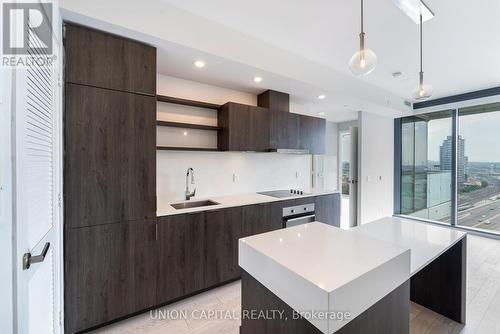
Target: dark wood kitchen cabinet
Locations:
point(284, 129)
point(327, 209)
point(96, 58)
point(109, 177)
point(244, 128)
point(261, 218)
point(110, 272)
point(181, 255)
point(312, 132)
point(223, 228)
point(110, 156)
point(274, 100)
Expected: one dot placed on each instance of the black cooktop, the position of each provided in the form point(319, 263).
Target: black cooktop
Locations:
point(283, 193)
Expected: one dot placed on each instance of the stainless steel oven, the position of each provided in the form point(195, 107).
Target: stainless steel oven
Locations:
point(298, 214)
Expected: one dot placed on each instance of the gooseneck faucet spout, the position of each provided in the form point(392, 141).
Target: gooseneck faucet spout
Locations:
point(188, 194)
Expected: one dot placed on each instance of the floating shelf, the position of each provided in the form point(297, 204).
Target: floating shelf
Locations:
point(188, 125)
point(185, 102)
point(181, 148)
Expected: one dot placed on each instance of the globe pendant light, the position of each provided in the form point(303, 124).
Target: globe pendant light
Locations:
point(364, 61)
point(422, 92)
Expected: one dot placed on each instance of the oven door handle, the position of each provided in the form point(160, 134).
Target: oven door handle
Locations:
point(297, 220)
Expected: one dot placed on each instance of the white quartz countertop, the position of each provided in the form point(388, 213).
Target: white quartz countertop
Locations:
point(165, 208)
point(426, 241)
point(318, 267)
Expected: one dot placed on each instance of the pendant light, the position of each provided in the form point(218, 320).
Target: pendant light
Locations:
point(364, 61)
point(422, 92)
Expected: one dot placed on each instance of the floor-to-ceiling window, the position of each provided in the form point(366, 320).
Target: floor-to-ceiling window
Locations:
point(450, 167)
point(426, 166)
point(478, 167)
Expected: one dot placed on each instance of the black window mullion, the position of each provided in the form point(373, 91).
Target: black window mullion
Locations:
point(454, 168)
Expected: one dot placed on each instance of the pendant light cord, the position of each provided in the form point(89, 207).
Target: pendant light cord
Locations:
point(362, 16)
point(421, 62)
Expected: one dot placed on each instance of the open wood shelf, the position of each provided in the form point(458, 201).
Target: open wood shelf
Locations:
point(188, 125)
point(182, 148)
point(185, 102)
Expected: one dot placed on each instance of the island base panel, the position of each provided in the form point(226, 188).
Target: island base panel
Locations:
point(440, 286)
point(390, 315)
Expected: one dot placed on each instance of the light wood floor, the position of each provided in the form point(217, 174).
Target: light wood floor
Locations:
point(483, 304)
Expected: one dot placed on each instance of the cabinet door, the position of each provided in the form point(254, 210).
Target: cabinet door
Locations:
point(261, 218)
point(327, 209)
point(180, 255)
point(284, 130)
point(222, 231)
point(99, 59)
point(312, 134)
point(110, 156)
point(244, 128)
point(257, 137)
point(110, 272)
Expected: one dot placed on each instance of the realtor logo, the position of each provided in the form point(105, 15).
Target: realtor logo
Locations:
point(27, 34)
point(27, 28)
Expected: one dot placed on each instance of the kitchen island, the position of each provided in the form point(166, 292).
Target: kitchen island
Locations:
point(315, 278)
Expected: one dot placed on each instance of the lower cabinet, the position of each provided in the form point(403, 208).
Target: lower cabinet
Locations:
point(181, 255)
point(261, 218)
point(223, 228)
point(109, 272)
point(115, 270)
point(327, 209)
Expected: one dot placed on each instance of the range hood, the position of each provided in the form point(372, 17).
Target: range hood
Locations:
point(290, 151)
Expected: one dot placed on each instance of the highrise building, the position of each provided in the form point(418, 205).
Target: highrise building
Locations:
point(445, 158)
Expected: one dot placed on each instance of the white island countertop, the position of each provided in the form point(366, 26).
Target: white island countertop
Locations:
point(426, 241)
point(318, 267)
point(165, 208)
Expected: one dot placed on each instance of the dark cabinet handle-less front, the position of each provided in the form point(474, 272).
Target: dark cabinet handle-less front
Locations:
point(28, 259)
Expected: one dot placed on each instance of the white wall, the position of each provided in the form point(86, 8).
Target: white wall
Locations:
point(6, 276)
point(376, 167)
point(330, 169)
point(214, 170)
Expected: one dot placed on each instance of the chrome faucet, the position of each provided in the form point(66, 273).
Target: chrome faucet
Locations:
point(189, 194)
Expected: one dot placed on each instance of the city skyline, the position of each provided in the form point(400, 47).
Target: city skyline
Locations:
point(479, 130)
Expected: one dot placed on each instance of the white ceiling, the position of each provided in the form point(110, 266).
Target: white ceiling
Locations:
point(302, 47)
point(461, 44)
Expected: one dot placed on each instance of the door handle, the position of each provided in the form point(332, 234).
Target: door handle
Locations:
point(28, 259)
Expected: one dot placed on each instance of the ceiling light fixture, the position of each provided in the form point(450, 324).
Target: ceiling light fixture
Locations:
point(422, 92)
point(413, 8)
point(322, 96)
point(257, 79)
point(199, 63)
point(363, 62)
point(322, 113)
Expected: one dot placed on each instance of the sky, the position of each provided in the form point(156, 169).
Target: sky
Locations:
point(480, 131)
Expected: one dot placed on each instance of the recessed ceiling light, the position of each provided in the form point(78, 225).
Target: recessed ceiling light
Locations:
point(199, 63)
point(396, 74)
point(185, 133)
point(346, 106)
point(322, 96)
point(321, 113)
point(257, 79)
point(413, 8)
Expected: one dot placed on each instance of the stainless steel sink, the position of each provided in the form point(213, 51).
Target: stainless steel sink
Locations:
point(197, 204)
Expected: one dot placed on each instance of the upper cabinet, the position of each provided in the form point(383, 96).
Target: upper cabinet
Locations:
point(312, 134)
point(273, 100)
point(284, 131)
point(244, 128)
point(100, 59)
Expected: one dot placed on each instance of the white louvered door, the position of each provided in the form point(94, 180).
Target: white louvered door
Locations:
point(37, 128)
